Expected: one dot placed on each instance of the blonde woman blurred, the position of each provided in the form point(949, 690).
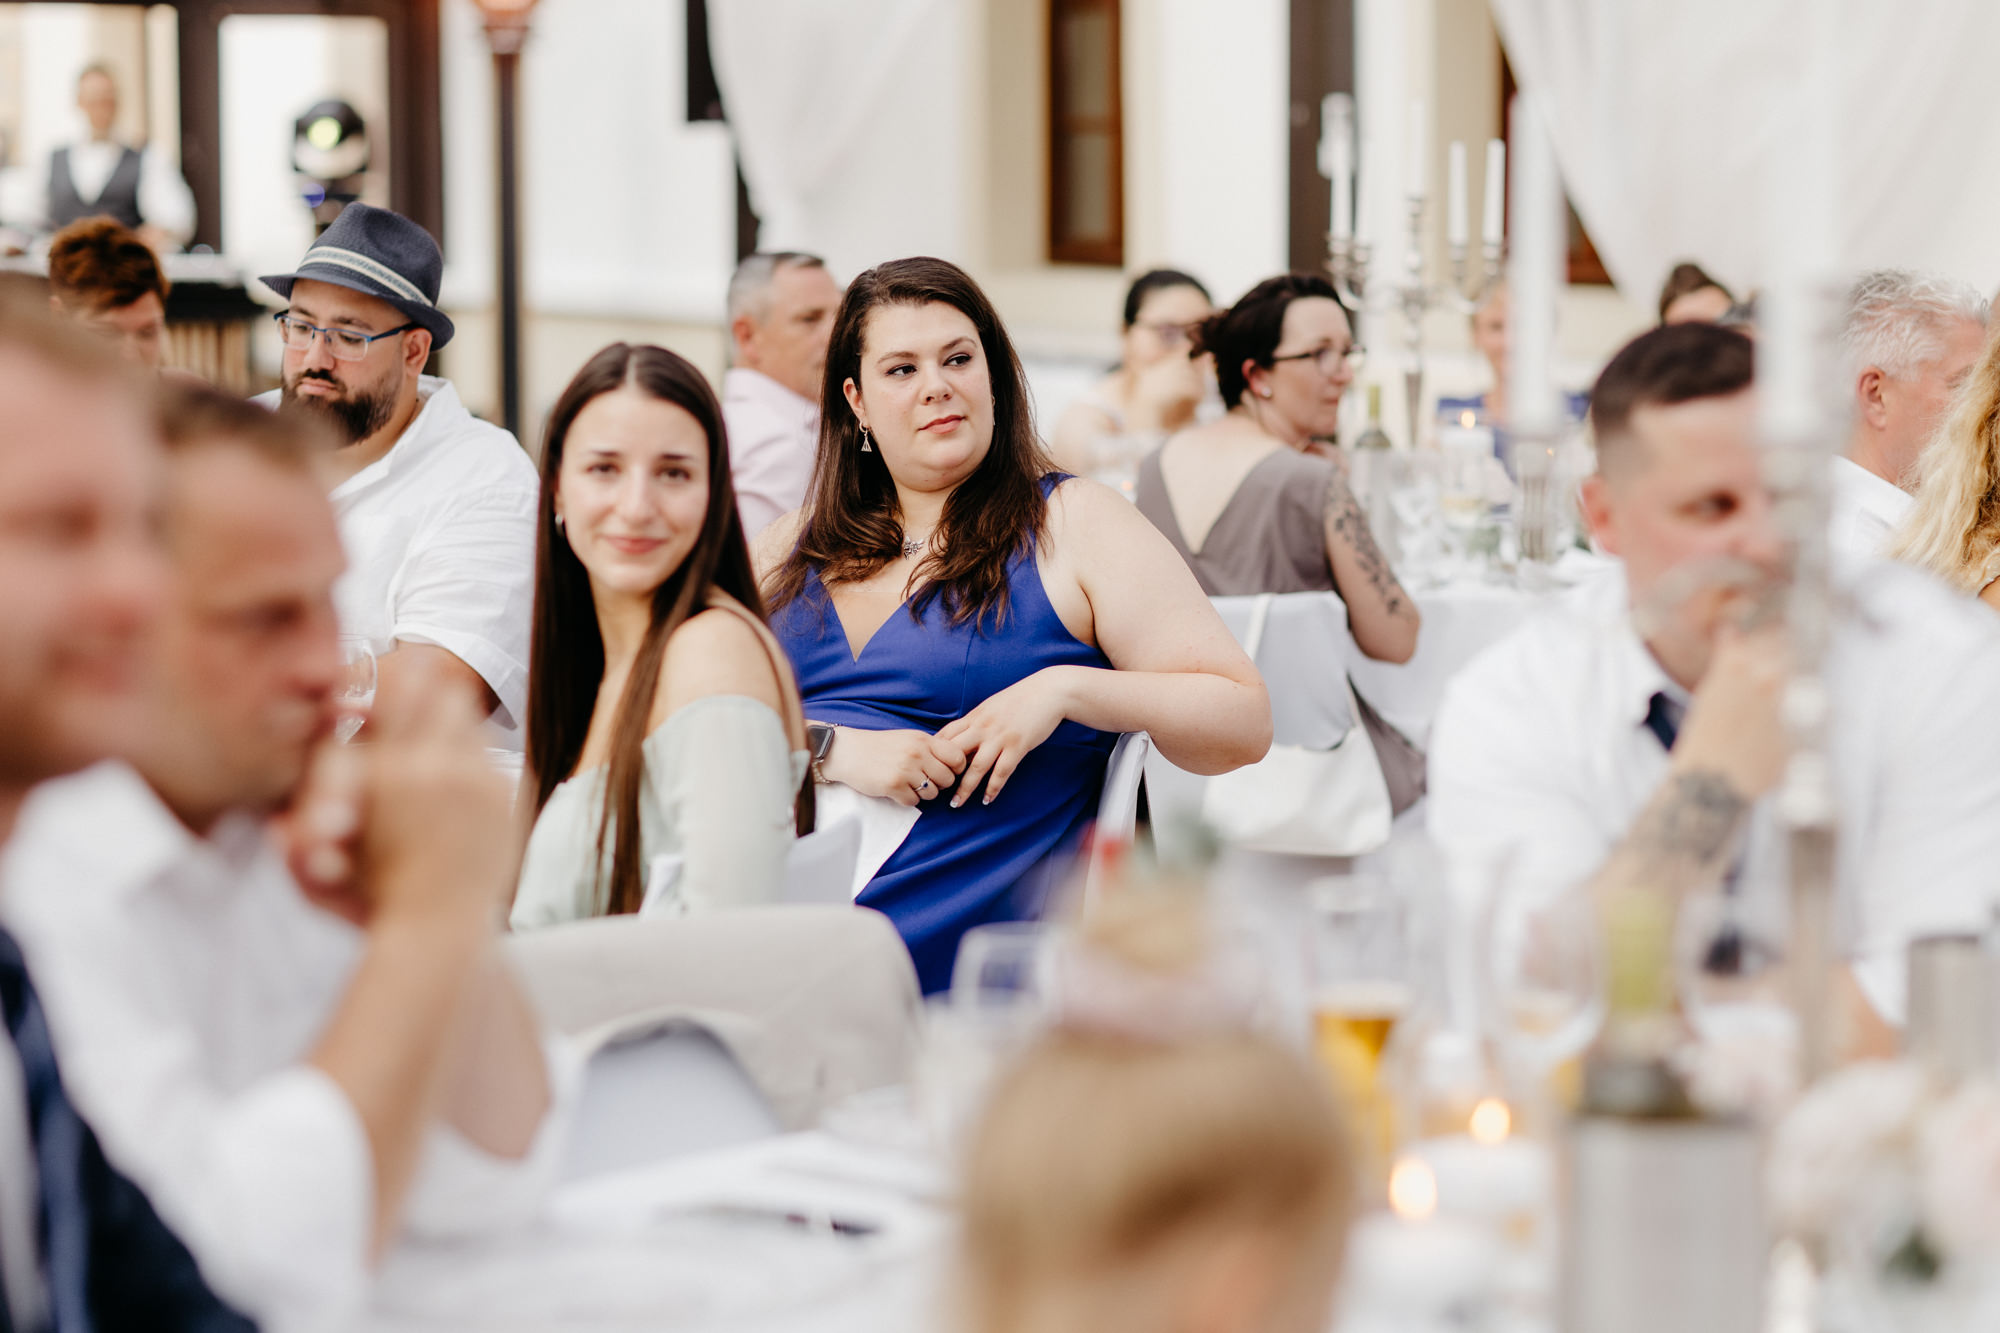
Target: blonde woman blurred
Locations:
point(1953, 530)
point(1152, 1166)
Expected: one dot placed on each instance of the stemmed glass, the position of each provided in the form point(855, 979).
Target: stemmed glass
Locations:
point(1544, 973)
point(355, 694)
point(1359, 967)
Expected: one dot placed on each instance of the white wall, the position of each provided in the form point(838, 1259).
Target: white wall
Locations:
point(1223, 100)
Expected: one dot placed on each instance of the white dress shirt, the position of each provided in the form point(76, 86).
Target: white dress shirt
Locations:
point(187, 982)
point(165, 201)
point(440, 538)
point(1866, 509)
point(1540, 752)
point(773, 438)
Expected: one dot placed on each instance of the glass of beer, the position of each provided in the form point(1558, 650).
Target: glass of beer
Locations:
point(1359, 967)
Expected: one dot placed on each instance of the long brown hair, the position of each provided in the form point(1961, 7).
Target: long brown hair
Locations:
point(852, 526)
point(566, 654)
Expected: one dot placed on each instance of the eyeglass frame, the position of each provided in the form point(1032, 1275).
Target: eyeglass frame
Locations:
point(1352, 357)
point(1173, 333)
point(285, 320)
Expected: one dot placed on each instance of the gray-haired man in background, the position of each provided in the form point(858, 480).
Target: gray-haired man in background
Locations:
point(1909, 341)
point(781, 308)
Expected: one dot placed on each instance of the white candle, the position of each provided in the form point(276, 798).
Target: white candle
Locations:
point(1496, 191)
point(1336, 120)
point(1494, 1182)
point(1420, 151)
point(1455, 222)
point(1534, 272)
point(1405, 1273)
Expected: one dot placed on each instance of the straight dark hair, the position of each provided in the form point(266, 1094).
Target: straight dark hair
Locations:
point(1250, 329)
point(852, 525)
point(1158, 280)
point(566, 653)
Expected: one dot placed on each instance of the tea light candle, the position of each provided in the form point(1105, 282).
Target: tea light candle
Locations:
point(1410, 1268)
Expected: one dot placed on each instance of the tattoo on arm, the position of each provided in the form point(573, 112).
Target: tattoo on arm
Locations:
point(1346, 523)
point(1683, 839)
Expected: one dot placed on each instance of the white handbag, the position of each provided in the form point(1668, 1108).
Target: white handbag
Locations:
point(1302, 801)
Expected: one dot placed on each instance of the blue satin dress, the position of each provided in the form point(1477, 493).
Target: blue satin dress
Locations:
point(958, 868)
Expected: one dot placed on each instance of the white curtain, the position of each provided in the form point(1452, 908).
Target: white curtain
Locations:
point(850, 121)
point(1672, 120)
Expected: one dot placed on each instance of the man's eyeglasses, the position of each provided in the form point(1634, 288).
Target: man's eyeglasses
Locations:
point(345, 344)
point(1329, 360)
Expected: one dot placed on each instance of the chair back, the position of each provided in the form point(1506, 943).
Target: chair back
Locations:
point(816, 1002)
point(1302, 650)
point(1117, 808)
point(819, 868)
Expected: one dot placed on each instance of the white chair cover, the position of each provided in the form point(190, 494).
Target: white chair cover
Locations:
point(817, 1003)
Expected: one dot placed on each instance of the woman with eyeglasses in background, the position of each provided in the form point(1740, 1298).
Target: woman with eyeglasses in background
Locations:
point(1258, 501)
point(1157, 388)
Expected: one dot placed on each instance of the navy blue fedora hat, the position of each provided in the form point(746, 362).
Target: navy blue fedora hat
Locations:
point(380, 254)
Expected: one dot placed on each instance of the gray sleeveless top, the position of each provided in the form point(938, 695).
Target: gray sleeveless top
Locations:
point(1270, 536)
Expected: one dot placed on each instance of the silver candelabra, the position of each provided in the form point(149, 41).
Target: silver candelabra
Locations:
point(1350, 261)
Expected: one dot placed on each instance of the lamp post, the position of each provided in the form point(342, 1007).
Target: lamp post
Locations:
point(506, 31)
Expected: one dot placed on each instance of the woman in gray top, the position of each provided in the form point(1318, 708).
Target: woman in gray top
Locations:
point(1258, 501)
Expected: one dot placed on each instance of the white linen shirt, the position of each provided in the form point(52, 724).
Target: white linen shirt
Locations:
point(1541, 751)
point(773, 437)
point(187, 982)
point(1866, 509)
point(440, 540)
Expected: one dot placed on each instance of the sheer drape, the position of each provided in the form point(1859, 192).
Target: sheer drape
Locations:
point(849, 123)
point(1669, 119)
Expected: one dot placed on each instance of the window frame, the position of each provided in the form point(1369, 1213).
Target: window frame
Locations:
point(1063, 125)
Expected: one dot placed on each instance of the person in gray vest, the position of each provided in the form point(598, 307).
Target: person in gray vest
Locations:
point(101, 176)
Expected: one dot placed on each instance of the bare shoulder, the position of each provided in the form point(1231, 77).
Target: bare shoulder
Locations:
point(774, 543)
point(1080, 508)
point(1990, 594)
point(714, 652)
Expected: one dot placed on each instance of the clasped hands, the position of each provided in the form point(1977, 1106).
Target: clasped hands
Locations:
point(986, 745)
point(415, 824)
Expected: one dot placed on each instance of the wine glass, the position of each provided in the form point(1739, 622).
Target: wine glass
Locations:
point(355, 694)
point(1359, 969)
point(1545, 974)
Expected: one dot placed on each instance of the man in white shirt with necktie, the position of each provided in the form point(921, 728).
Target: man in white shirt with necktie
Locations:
point(1909, 341)
point(1631, 733)
point(291, 1075)
point(436, 507)
point(781, 309)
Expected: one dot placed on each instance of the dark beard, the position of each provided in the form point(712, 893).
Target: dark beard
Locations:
point(355, 418)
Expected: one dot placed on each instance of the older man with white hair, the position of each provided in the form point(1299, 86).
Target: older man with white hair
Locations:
point(1909, 340)
point(781, 308)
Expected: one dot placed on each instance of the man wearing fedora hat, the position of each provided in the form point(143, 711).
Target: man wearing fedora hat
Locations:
point(436, 507)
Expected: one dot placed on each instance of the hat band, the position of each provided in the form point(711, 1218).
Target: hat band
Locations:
point(336, 257)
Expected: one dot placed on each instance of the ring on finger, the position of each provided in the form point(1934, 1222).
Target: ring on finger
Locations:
point(924, 787)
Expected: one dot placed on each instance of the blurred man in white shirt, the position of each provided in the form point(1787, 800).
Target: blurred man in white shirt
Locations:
point(289, 1074)
point(1628, 736)
point(781, 308)
point(436, 507)
point(1909, 342)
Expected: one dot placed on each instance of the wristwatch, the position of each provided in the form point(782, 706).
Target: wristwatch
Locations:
point(819, 740)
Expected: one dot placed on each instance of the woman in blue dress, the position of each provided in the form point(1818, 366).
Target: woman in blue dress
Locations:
point(971, 630)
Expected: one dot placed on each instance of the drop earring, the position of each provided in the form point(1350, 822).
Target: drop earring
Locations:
point(866, 446)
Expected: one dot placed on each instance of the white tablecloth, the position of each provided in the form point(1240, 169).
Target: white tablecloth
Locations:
point(687, 1244)
point(1460, 619)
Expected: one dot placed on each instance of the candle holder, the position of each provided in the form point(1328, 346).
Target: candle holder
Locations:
point(1362, 288)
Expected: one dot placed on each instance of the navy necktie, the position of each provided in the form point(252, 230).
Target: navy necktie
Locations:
point(59, 1140)
point(1663, 718)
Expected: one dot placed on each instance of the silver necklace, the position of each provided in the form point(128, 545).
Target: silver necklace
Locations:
point(914, 546)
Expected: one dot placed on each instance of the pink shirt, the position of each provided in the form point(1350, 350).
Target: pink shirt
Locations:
point(773, 434)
